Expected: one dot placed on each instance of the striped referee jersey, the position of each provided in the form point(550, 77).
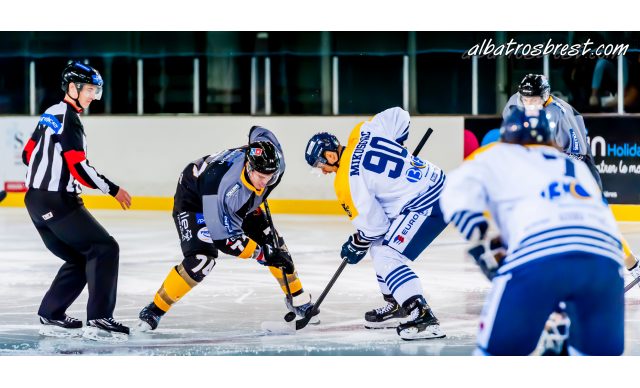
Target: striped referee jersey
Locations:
point(56, 154)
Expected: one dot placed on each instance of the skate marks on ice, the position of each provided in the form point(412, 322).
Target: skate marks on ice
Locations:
point(223, 315)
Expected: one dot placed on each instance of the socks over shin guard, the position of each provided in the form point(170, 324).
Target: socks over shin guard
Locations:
point(177, 284)
point(295, 285)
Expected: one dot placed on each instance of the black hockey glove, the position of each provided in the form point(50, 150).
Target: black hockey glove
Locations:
point(488, 254)
point(354, 249)
point(276, 257)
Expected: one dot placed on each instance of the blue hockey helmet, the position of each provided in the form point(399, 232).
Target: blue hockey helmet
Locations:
point(317, 145)
point(526, 126)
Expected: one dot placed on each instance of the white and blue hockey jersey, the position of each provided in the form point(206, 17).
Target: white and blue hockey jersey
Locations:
point(378, 179)
point(543, 202)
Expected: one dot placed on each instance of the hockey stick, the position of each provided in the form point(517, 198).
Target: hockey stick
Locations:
point(290, 316)
point(301, 323)
point(630, 285)
point(423, 141)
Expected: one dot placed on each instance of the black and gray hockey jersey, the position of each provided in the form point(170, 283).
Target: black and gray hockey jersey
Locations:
point(218, 187)
point(567, 124)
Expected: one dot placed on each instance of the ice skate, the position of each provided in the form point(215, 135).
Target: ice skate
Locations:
point(301, 309)
point(386, 317)
point(422, 324)
point(150, 317)
point(64, 328)
point(106, 330)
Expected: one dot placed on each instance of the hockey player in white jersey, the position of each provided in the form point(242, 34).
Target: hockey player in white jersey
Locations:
point(560, 239)
point(391, 198)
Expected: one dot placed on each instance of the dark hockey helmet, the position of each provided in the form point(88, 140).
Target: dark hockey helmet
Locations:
point(526, 126)
point(263, 157)
point(79, 73)
point(316, 147)
point(535, 85)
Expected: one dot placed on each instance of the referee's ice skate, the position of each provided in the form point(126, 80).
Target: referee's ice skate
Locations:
point(106, 330)
point(61, 328)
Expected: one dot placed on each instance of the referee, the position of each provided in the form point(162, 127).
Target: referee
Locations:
point(57, 167)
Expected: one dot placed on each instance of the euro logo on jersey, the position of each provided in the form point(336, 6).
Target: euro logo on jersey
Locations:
point(255, 152)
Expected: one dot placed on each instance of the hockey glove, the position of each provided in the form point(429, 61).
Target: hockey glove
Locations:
point(354, 250)
point(276, 257)
point(488, 254)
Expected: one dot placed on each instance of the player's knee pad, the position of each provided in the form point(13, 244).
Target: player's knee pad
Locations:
point(385, 258)
point(197, 267)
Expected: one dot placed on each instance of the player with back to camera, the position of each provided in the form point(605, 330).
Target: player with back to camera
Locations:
point(216, 208)
point(568, 132)
point(57, 167)
point(391, 197)
point(558, 241)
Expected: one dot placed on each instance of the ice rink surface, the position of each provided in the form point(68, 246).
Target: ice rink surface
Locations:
point(223, 315)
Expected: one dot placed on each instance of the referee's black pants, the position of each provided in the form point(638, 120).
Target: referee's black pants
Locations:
point(91, 255)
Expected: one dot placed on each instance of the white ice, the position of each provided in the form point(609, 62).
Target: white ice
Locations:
point(223, 315)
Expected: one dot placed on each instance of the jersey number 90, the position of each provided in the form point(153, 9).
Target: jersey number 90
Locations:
point(385, 152)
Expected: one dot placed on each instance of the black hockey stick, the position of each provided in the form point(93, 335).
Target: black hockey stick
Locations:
point(423, 141)
point(633, 283)
point(301, 323)
point(290, 316)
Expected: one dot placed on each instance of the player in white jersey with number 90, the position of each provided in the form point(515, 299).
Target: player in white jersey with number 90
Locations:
point(391, 198)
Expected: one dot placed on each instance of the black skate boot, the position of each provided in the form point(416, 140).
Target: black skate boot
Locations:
point(422, 324)
point(67, 327)
point(106, 329)
point(149, 317)
point(386, 317)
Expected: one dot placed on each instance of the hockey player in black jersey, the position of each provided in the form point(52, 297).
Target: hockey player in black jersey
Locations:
point(57, 167)
point(217, 208)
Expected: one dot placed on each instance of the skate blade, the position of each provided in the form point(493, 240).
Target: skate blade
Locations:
point(141, 327)
point(430, 332)
point(59, 332)
point(278, 328)
point(95, 334)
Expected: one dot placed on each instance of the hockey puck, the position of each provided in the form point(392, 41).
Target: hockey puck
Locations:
point(290, 316)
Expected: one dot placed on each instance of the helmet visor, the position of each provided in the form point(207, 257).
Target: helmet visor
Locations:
point(94, 91)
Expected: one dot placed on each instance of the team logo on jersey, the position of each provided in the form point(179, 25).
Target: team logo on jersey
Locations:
point(205, 235)
point(413, 174)
point(558, 190)
point(255, 152)
point(398, 239)
point(417, 162)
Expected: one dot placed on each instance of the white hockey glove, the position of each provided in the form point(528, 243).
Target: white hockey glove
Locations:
point(635, 270)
